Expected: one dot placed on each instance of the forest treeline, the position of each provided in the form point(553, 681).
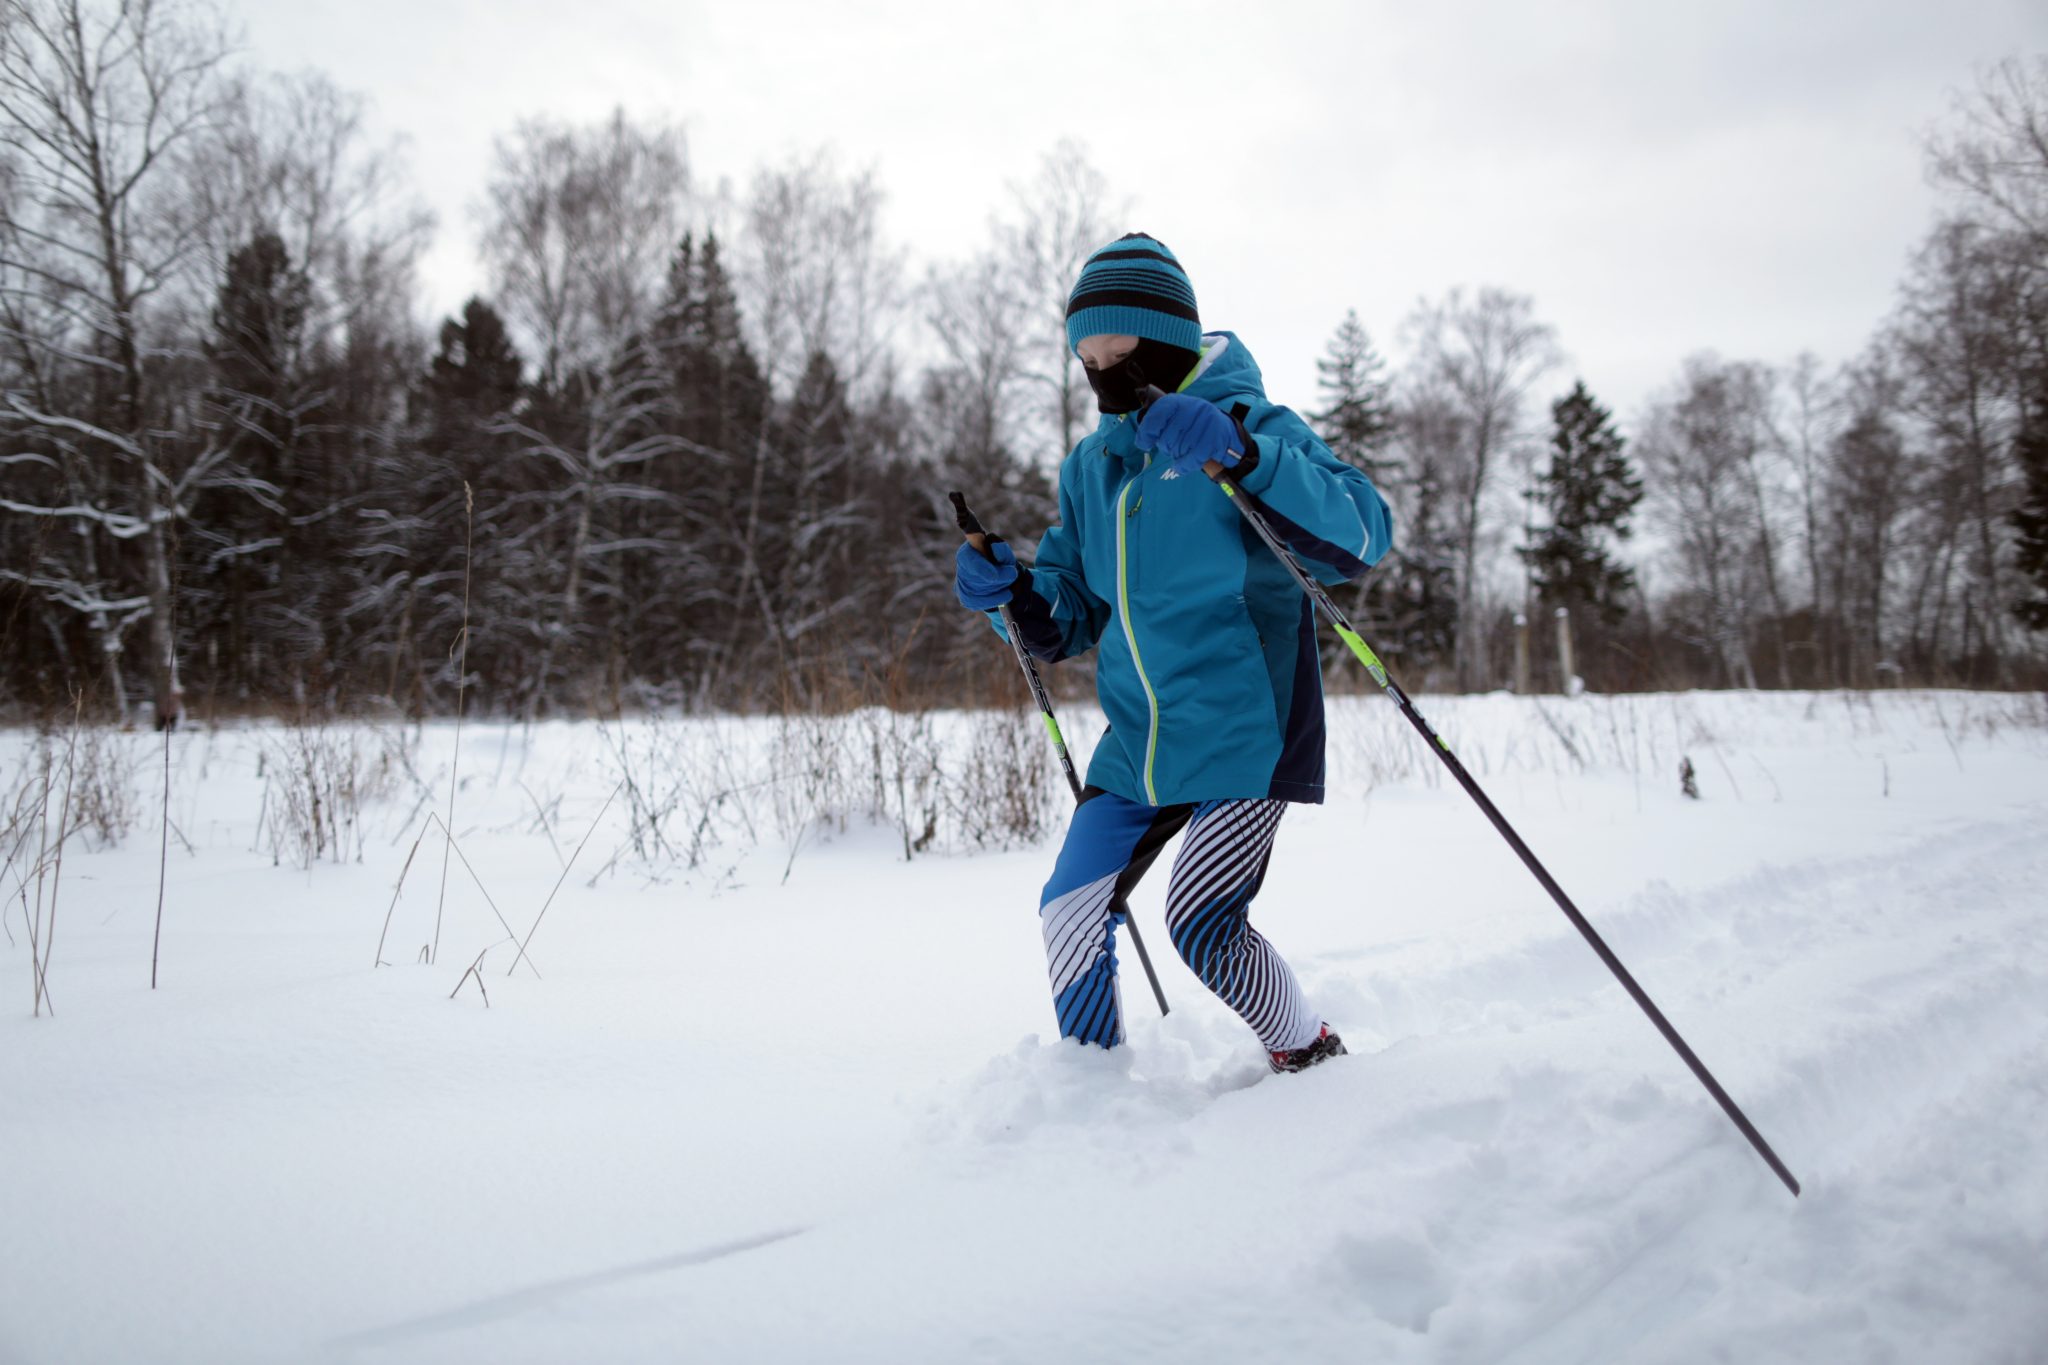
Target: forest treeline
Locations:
point(693, 450)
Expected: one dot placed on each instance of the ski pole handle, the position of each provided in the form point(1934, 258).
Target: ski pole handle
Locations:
point(1148, 394)
point(970, 526)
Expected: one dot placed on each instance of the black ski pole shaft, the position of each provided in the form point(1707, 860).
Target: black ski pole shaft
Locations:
point(970, 526)
point(1324, 603)
point(980, 539)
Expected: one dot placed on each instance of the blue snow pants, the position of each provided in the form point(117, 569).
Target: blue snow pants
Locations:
point(1110, 844)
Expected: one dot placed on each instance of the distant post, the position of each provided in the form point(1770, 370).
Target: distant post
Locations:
point(1521, 654)
point(1564, 649)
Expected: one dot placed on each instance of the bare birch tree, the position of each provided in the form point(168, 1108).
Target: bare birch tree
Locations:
point(1973, 328)
point(1060, 217)
point(827, 293)
point(579, 230)
point(1874, 481)
point(1481, 354)
point(293, 156)
point(1804, 422)
point(1994, 151)
point(819, 276)
point(1695, 453)
point(578, 226)
point(96, 104)
point(1959, 335)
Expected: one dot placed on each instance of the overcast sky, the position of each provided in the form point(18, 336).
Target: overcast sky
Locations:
point(1743, 177)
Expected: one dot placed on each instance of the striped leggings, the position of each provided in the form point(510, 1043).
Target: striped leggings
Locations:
point(1109, 846)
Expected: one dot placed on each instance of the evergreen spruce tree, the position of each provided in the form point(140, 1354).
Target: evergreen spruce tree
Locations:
point(1588, 493)
point(474, 374)
point(257, 542)
point(2030, 519)
point(429, 549)
point(721, 395)
point(258, 321)
point(736, 390)
point(1358, 421)
point(717, 482)
point(809, 554)
point(1411, 597)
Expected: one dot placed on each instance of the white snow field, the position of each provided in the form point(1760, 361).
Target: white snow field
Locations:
point(764, 1107)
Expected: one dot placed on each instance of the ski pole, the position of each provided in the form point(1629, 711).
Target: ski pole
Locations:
point(981, 540)
point(1320, 596)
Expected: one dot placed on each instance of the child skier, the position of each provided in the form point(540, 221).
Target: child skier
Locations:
point(1208, 670)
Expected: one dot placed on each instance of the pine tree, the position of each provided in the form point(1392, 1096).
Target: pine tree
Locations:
point(1359, 419)
point(1588, 492)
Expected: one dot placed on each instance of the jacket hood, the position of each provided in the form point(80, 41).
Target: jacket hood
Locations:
point(1226, 370)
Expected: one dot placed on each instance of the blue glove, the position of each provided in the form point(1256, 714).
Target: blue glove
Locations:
point(980, 585)
point(1189, 432)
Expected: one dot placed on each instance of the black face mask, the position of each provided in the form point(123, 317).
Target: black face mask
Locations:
point(1150, 362)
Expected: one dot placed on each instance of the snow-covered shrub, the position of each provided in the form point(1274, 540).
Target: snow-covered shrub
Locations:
point(85, 778)
point(104, 794)
point(1000, 787)
point(813, 784)
point(689, 788)
point(318, 776)
point(903, 773)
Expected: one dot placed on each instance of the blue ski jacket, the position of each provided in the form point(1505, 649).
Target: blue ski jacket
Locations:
point(1208, 670)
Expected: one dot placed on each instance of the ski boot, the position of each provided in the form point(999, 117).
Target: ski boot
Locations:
point(1325, 1046)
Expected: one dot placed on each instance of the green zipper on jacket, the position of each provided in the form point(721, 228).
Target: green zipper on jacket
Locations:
point(1123, 610)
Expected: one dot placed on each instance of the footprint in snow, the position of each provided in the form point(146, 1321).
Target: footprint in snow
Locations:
point(1398, 1275)
point(1040, 1085)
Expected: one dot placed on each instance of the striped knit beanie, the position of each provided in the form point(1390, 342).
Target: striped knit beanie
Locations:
point(1134, 287)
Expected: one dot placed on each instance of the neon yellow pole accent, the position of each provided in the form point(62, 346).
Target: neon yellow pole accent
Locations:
point(1364, 653)
point(1052, 727)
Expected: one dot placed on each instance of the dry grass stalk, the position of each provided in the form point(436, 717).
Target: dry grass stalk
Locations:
point(475, 970)
point(521, 956)
point(48, 872)
point(461, 680)
point(396, 888)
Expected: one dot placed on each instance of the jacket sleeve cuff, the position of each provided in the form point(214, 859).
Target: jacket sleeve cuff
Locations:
point(1254, 473)
point(1031, 609)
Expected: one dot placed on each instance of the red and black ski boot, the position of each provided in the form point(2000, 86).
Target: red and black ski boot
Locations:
point(1325, 1046)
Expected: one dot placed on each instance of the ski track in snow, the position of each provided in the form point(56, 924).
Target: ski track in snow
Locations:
point(1512, 1166)
point(1551, 1187)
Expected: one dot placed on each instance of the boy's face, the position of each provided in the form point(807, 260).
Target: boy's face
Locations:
point(1101, 352)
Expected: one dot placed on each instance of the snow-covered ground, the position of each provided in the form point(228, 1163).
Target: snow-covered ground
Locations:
point(806, 1108)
